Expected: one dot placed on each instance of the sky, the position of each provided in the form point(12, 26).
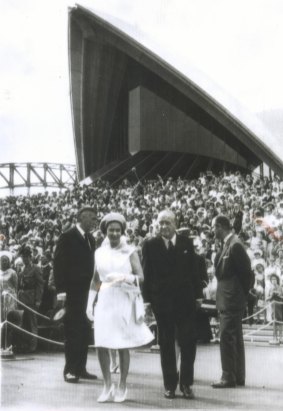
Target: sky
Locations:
point(235, 43)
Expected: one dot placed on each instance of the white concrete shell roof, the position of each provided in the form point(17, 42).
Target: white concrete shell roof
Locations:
point(261, 141)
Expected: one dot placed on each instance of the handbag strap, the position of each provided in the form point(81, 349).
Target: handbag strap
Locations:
point(138, 283)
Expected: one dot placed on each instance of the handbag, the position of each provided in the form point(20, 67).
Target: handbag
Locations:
point(139, 305)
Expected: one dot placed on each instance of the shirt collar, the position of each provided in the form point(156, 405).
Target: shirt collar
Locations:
point(81, 231)
point(227, 238)
point(173, 240)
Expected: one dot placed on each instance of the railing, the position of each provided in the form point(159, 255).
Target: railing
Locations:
point(8, 350)
point(27, 175)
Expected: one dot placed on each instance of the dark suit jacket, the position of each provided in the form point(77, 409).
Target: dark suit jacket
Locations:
point(234, 275)
point(73, 264)
point(31, 286)
point(201, 270)
point(170, 287)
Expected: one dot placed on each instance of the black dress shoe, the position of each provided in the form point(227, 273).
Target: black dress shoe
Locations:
point(87, 376)
point(169, 394)
point(187, 392)
point(223, 384)
point(71, 378)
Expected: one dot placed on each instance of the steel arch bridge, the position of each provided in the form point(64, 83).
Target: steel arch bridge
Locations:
point(27, 175)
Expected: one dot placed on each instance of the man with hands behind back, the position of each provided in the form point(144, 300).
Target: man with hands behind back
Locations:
point(234, 280)
point(73, 271)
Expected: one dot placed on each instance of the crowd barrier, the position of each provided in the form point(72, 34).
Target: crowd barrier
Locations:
point(8, 350)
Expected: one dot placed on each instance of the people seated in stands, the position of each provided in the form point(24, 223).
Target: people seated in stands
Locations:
point(38, 220)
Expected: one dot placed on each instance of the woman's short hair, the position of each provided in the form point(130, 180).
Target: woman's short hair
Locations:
point(5, 257)
point(276, 277)
point(25, 251)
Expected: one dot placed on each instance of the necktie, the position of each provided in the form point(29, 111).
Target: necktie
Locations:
point(171, 253)
point(170, 246)
point(87, 240)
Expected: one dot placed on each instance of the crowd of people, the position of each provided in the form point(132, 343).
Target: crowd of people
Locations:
point(30, 227)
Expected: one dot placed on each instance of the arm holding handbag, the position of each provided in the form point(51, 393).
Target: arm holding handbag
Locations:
point(92, 295)
point(139, 305)
point(138, 302)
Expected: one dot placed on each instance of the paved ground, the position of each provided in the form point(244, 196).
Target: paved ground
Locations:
point(35, 382)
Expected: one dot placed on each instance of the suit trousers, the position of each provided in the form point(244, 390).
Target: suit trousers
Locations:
point(180, 327)
point(77, 336)
point(232, 349)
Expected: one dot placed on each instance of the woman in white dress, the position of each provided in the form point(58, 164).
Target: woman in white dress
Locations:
point(8, 296)
point(117, 274)
point(8, 285)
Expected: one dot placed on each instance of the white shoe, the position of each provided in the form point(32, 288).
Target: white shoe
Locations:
point(121, 397)
point(106, 396)
point(115, 370)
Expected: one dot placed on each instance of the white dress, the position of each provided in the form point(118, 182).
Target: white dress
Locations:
point(114, 317)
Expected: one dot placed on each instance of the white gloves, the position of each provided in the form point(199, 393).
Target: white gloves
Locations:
point(117, 277)
point(130, 278)
point(114, 277)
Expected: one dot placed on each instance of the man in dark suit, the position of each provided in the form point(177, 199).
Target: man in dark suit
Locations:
point(172, 287)
point(73, 271)
point(234, 275)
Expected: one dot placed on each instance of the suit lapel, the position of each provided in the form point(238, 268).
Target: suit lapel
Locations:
point(91, 239)
point(162, 246)
point(225, 248)
point(92, 242)
point(179, 245)
point(80, 237)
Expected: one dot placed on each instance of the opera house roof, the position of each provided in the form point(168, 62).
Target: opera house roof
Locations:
point(130, 97)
